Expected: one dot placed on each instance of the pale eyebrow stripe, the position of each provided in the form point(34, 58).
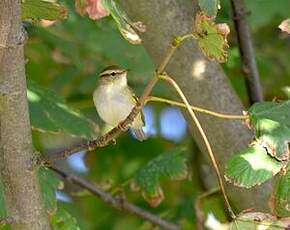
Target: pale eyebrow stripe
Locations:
point(108, 72)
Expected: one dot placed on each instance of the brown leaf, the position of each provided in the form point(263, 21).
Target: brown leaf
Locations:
point(285, 26)
point(154, 201)
point(96, 10)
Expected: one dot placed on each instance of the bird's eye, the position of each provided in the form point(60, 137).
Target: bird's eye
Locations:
point(113, 73)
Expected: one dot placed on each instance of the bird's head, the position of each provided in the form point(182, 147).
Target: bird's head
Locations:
point(113, 74)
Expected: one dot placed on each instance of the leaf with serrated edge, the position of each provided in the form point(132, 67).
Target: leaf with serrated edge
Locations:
point(211, 40)
point(41, 9)
point(167, 165)
point(271, 121)
point(251, 167)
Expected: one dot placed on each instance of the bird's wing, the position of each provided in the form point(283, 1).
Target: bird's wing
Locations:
point(136, 99)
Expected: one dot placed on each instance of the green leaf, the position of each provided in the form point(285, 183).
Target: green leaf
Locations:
point(125, 25)
point(251, 167)
point(42, 9)
point(271, 121)
point(62, 220)
point(49, 182)
point(49, 113)
point(210, 7)
point(167, 165)
point(211, 37)
point(281, 197)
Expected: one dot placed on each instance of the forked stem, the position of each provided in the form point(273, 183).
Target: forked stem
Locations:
point(165, 77)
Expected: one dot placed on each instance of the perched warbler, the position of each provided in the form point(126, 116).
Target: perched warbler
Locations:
point(114, 100)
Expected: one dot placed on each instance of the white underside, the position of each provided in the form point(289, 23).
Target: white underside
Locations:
point(114, 103)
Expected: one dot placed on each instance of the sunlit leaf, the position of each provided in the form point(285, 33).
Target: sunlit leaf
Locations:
point(210, 7)
point(211, 39)
point(251, 167)
point(62, 220)
point(285, 26)
point(167, 165)
point(281, 198)
point(49, 182)
point(49, 113)
point(271, 121)
point(43, 9)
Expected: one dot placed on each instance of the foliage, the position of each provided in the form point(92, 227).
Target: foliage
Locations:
point(50, 114)
point(271, 121)
point(167, 165)
point(42, 9)
point(211, 38)
point(63, 60)
point(251, 167)
point(125, 26)
point(262, 160)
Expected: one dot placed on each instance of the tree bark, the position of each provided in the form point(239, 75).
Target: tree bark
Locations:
point(203, 83)
point(22, 195)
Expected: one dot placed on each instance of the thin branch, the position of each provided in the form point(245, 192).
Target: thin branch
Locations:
point(198, 109)
point(209, 149)
point(119, 203)
point(124, 125)
point(249, 65)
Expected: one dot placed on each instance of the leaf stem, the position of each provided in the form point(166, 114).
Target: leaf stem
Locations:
point(198, 109)
point(165, 77)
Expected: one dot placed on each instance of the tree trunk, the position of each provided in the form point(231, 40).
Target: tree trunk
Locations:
point(202, 81)
point(22, 195)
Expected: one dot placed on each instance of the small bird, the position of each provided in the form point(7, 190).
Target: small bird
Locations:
point(114, 100)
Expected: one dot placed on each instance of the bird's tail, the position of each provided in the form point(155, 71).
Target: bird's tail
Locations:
point(139, 134)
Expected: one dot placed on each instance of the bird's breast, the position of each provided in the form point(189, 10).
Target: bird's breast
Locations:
point(113, 104)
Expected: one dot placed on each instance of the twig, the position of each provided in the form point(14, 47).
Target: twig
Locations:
point(204, 137)
point(249, 65)
point(119, 203)
point(198, 109)
point(124, 125)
